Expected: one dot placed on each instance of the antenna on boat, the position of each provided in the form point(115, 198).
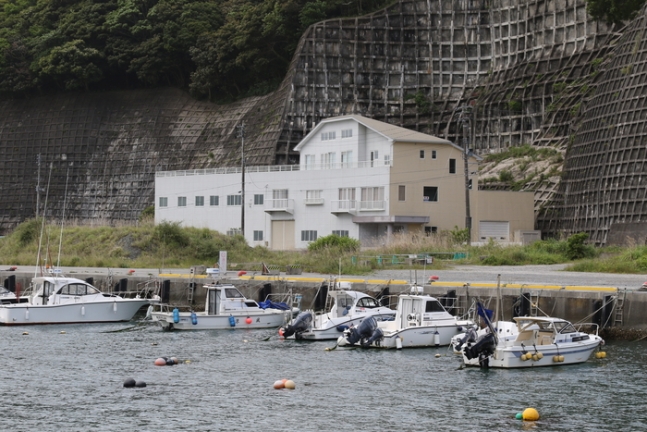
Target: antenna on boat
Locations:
point(42, 227)
point(60, 241)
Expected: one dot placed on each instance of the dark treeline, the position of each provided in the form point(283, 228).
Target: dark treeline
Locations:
point(220, 49)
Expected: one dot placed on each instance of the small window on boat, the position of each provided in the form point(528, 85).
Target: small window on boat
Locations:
point(434, 306)
point(233, 293)
point(367, 302)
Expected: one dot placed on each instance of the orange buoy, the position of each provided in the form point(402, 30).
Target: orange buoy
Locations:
point(289, 384)
point(279, 384)
point(160, 362)
point(248, 320)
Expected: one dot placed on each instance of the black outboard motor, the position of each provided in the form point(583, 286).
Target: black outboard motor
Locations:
point(300, 324)
point(470, 336)
point(482, 348)
point(365, 333)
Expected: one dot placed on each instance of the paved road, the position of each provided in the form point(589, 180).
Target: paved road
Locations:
point(529, 274)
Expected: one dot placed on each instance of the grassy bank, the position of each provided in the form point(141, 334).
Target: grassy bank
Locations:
point(172, 246)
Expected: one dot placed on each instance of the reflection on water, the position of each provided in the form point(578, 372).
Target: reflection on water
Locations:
point(74, 382)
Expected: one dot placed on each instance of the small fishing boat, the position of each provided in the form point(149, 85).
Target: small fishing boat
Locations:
point(348, 308)
point(420, 321)
point(225, 308)
point(64, 300)
point(536, 341)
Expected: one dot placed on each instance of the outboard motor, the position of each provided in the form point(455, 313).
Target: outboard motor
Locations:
point(483, 348)
point(365, 333)
point(301, 323)
point(470, 336)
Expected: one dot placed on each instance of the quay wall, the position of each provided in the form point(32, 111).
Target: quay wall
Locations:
point(610, 307)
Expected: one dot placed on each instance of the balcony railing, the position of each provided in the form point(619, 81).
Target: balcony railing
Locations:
point(372, 205)
point(313, 201)
point(279, 205)
point(344, 206)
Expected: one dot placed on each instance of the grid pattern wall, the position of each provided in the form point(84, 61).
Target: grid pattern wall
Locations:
point(604, 179)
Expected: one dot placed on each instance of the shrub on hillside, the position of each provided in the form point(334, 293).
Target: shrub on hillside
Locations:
point(333, 241)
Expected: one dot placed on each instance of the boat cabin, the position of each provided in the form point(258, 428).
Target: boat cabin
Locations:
point(345, 302)
point(225, 299)
point(54, 291)
point(420, 310)
point(545, 331)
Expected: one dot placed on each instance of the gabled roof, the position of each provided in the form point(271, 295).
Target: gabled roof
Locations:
point(389, 131)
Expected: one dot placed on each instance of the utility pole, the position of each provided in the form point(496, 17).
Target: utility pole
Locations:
point(464, 119)
point(241, 134)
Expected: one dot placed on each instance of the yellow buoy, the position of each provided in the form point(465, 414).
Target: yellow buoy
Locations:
point(530, 414)
point(540, 356)
point(600, 354)
point(535, 357)
point(289, 384)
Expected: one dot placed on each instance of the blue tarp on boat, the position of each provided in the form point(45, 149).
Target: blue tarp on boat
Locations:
point(269, 304)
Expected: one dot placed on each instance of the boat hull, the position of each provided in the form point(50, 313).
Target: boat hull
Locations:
point(419, 337)
point(332, 329)
point(511, 357)
point(75, 313)
point(263, 320)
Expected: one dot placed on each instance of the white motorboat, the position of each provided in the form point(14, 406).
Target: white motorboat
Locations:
point(225, 308)
point(348, 308)
point(63, 300)
point(420, 321)
point(537, 341)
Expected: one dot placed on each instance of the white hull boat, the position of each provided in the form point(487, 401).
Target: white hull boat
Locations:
point(538, 341)
point(348, 309)
point(63, 300)
point(420, 321)
point(225, 308)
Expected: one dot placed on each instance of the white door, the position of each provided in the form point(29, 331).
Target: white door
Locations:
point(282, 234)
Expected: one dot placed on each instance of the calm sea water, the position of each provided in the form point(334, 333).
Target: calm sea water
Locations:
point(74, 382)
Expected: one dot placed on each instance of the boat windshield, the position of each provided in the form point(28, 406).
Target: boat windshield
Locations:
point(368, 302)
point(434, 306)
point(233, 293)
point(78, 289)
point(564, 327)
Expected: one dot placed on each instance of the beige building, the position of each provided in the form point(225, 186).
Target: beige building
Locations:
point(357, 177)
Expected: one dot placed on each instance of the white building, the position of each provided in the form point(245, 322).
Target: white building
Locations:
point(357, 177)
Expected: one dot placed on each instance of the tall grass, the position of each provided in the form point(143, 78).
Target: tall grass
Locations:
point(169, 245)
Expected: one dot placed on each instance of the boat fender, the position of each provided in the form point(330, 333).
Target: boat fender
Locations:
point(82, 310)
point(232, 321)
point(436, 338)
point(27, 313)
point(342, 328)
point(149, 312)
point(114, 306)
point(194, 318)
point(140, 384)
point(129, 383)
point(398, 343)
point(176, 316)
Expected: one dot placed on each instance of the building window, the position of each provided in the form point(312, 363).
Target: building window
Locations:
point(422, 154)
point(327, 136)
point(181, 201)
point(234, 200)
point(433, 154)
point(313, 197)
point(234, 231)
point(346, 159)
point(258, 199)
point(452, 166)
point(214, 200)
point(309, 162)
point(328, 160)
point(402, 192)
point(347, 198)
point(163, 202)
point(347, 133)
point(429, 230)
point(372, 198)
point(374, 158)
point(258, 235)
point(430, 193)
point(308, 235)
point(340, 233)
point(387, 159)
point(199, 201)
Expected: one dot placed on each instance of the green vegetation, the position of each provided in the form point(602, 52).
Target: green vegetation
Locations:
point(614, 11)
point(218, 50)
point(525, 150)
point(168, 245)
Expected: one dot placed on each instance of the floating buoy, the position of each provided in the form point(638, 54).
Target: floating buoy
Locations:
point(281, 331)
point(140, 384)
point(530, 414)
point(174, 360)
point(437, 355)
point(25, 333)
point(160, 362)
point(154, 343)
point(248, 320)
point(289, 384)
point(519, 416)
point(62, 332)
point(170, 361)
point(129, 383)
point(600, 354)
point(279, 384)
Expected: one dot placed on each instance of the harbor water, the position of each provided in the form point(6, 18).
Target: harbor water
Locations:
point(71, 378)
